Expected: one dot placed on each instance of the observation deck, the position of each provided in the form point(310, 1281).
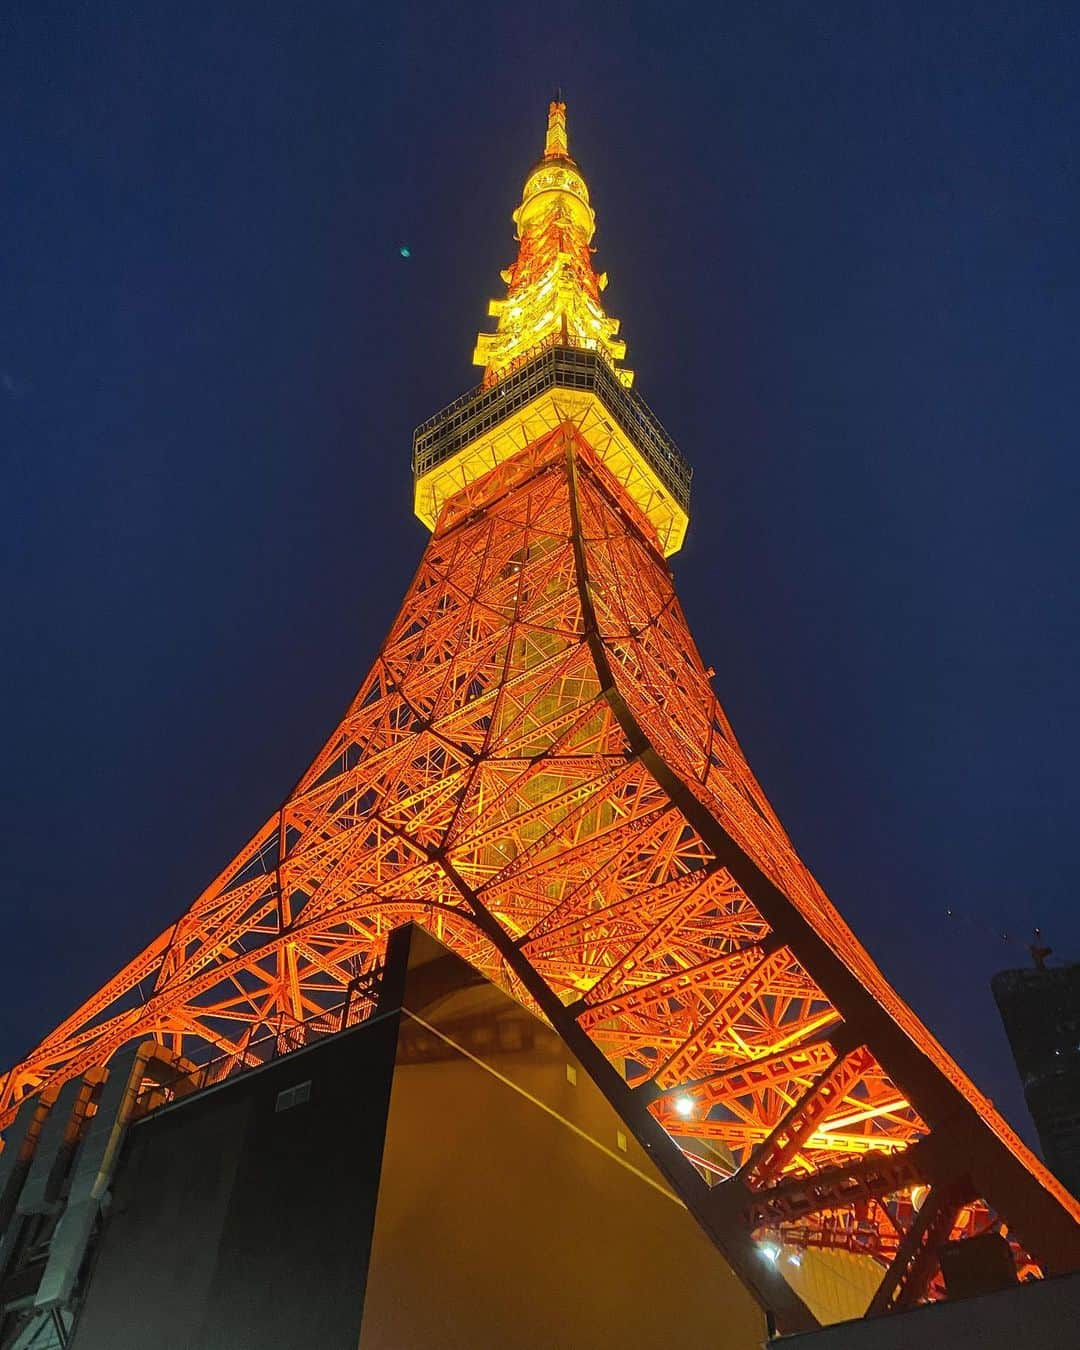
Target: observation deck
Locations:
point(562, 381)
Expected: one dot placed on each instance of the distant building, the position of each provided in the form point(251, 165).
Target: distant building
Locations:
point(1041, 1012)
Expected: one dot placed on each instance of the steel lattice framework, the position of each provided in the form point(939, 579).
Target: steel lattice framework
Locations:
point(537, 769)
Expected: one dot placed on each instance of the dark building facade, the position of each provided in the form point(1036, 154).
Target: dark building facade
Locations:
point(442, 1174)
point(1041, 1012)
point(1042, 1315)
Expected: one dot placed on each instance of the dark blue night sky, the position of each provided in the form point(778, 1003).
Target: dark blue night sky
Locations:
point(842, 240)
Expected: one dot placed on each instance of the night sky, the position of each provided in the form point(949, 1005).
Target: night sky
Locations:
point(842, 241)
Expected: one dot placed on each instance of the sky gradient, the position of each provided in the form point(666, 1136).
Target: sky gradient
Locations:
point(842, 241)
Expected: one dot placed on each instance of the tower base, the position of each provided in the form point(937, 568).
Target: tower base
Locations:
point(442, 1174)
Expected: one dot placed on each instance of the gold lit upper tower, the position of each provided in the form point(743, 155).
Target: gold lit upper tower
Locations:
point(553, 293)
point(554, 357)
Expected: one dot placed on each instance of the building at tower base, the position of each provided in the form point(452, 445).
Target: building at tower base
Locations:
point(443, 1173)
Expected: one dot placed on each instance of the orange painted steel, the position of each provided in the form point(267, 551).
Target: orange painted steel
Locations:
point(536, 768)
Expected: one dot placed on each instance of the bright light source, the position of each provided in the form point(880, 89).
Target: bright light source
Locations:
point(684, 1106)
point(769, 1252)
point(795, 1258)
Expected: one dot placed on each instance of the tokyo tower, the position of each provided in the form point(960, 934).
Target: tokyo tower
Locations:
point(536, 769)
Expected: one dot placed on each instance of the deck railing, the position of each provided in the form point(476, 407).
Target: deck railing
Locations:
point(561, 364)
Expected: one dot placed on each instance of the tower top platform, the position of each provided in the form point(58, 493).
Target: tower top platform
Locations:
point(562, 382)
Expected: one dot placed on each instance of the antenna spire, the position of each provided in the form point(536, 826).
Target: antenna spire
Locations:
point(556, 144)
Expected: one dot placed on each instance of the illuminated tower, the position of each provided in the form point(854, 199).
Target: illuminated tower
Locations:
point(537, 770)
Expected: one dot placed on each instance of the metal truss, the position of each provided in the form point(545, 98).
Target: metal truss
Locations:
point(537, 770)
